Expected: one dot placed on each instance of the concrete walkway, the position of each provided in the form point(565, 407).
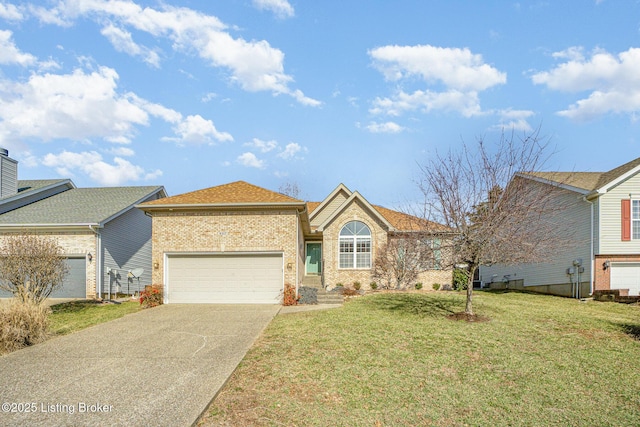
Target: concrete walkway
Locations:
point(158, 367)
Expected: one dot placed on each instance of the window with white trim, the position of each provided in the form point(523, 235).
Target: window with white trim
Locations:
point(635, 219)
point(355, 245)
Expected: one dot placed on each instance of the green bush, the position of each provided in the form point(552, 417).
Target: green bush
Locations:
point(436, 286)
point(418, 286)
point(373, 285)
point(460, 279)
point(357, 285)
point(22, 324)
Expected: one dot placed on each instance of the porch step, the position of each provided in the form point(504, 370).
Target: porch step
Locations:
point(313, 292)
point(325, 297)
point(312, 281)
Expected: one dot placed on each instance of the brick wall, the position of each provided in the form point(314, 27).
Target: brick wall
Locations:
point(602, 277)
point(78, 243)
point(330, 247)
point(226, 231)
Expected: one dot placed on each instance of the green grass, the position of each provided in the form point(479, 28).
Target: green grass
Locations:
point(396, 360)
point(76, 315)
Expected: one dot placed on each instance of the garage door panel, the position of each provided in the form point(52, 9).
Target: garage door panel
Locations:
point(74, 284)
point(626, 276)
point(228, 278)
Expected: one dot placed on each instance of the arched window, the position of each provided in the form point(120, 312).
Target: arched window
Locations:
point(355, 245)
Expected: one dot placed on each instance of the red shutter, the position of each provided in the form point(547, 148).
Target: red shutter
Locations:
point(626, 220)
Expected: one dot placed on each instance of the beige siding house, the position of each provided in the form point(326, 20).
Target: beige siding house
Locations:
point(603, 211)
point(239, 243)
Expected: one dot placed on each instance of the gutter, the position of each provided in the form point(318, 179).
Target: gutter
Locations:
point(593, 261)
point(98, 259)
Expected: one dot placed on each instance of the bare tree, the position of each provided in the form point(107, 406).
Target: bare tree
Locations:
point(31, 267)
point(398, 263)
point(498, 216)
point(290, 189)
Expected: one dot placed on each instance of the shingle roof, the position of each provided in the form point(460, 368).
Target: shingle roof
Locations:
point(79, 206)
point(589, 181)
point(238, 192)
point(26, 186)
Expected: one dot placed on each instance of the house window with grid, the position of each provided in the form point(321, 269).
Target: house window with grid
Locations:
point(635, 219)
point(355, 245)
point(432, 256)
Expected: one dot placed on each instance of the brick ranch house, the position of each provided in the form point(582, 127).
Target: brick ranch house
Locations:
point(239, 243)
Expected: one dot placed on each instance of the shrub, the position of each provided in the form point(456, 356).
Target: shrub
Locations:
point(339, 285)
point(436, 286)
point(289, 295)
point(418, 286)
point(357, 285)
point(349, 292)
point(151, 296)
point(22, 324)
point(373, 285)
point(460, 279)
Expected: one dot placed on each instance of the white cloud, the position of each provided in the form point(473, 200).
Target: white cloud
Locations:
point(460, 73)
point(81, 106)
point(466, 103)
point(197, 130)
point(76, 106)
point(263, 146)
point(10, 12)
point(253, 65)
point(387, 127)
point(91, 164)
point(249, 159)
point(455, 68)
point(122, 41)
point(122, 151)
point(10, 54)
point(281, 8)
point(291, 150)
point(612, 81)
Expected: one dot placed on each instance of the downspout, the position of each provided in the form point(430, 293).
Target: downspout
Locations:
point(593, 261)
point(98, 260)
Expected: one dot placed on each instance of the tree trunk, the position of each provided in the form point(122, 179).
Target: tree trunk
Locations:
point(468, 308)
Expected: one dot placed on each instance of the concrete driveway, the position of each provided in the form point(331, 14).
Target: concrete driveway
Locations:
point(158, 367)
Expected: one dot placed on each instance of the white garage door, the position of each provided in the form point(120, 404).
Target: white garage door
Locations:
point(626, 276)
point(225, 278)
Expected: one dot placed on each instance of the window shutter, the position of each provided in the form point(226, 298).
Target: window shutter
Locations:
point(626, 220)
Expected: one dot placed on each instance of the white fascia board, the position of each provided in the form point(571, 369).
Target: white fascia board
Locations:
point(619, 179)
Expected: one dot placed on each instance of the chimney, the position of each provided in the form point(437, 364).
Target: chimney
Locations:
point(8, 174)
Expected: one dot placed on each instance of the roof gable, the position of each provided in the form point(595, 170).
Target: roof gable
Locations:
point(235, 193)
point(356, 197)
point(592, 183)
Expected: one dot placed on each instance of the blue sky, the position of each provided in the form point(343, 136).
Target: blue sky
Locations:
point(192, 94)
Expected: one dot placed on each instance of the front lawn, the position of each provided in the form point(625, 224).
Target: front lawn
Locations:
point(76, 315)
point(395, 359)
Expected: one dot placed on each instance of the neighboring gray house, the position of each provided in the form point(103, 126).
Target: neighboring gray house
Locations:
point(603, 210)
point(107, 240)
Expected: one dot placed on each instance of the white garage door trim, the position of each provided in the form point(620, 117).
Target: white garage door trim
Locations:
point(625, 275)
point(224, 277)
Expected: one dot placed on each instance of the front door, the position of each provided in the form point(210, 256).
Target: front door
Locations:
point(314, 258)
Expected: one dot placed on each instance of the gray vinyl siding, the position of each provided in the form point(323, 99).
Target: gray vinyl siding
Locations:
point(126, 245)
point(8, 176)
point(329, 208)
point(611, 218)
point(577, 216)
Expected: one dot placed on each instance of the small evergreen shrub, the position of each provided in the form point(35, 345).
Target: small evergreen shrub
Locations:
point(22, 324)
point(151, 296)
point(436, 286)
point(460, 279)
point(357, 285)
point(373, 285)
point(418, 286)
